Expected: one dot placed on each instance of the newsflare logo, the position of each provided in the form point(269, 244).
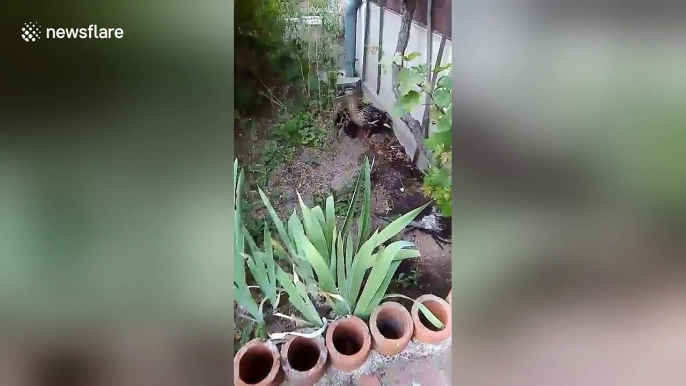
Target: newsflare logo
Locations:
point(31, 32)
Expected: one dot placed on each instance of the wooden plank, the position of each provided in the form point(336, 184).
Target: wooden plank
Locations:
point(366, 41)
point(442, 15)
point(382, 6)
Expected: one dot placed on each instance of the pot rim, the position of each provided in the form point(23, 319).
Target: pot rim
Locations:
point(431, 298)
point(374, 329)
point(276, 364)
point(366, 338)
point(321, 361)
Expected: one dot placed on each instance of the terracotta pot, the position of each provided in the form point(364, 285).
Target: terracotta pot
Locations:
point(424, 331)
point(348, 341)
point(257, 364)
point(391, 327)
point(449, 298)
point(303, 360)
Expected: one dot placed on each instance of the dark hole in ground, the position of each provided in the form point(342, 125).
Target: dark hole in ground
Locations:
point(256, 365)
point(346, 339)
point(389, 325)
point(303, 354)
point(438, 312)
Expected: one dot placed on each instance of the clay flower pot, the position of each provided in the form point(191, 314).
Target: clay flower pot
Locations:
point(303, 360)
point(257, 364)
point(449, 298)
point(426, 332)
point(348, 341)
point(391, 327)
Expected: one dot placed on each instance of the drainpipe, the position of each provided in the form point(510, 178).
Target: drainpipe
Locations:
point(350, 35)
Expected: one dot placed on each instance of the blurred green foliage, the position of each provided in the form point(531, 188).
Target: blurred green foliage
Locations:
point(262, 54)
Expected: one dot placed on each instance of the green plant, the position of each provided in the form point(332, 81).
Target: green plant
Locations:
point(247, 332)
point(411, 85)
point(263, 267)
point(409, 280)
point(288, 135)
point(334, 261)
point(240, 286)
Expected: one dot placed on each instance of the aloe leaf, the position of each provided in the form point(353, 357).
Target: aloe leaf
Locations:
point(251, 242)
point(381, 291)
point(297, 298)
point(360, 264)
point(324, 277)
point(239, 243)
point(313, 230)
point(318, 215)
point(351, 208)
point(378, 273)
point(401, 255)
point(311, 310)
point(342, 287)
point(348, 263)
point(270, 266)
point(294, 225)
point(365, 216)
point(330, 219)
point(277, 222)
point(244, 299)
point(304, 267)
point(424, 310)
point(337, 302)
point(399, 224)
point(334, 256)
point(257, 268)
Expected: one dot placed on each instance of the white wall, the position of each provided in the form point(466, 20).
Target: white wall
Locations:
point(391, 29)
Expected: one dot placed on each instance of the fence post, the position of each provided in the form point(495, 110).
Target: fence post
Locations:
point(429, 54)
point(382, 5)
point(366, 41)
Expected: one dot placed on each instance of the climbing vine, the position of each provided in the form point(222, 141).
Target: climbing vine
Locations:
point(411, 84)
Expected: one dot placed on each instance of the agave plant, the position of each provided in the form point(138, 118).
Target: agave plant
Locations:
point(336, 262)
point(240, 287)
point(263, 267)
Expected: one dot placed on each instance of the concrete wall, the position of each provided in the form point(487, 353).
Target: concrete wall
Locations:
point(417, 43)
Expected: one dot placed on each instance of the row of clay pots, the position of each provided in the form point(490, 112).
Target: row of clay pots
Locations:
point(347, 344)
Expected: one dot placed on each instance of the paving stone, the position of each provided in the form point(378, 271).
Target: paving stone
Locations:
point(368, 380)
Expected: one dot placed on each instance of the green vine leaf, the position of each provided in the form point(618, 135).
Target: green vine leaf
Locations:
point(409, 57)
point(446, 82)
point(439, 69)
point(407, 103)
point(444, 123)
point(442, 98)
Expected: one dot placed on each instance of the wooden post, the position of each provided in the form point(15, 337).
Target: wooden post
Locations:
point(429, 54)
point(366, 41)
point(382, 5)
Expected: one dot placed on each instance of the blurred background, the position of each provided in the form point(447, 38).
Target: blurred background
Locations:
point(569, 216)
point(115, 181)
point(115, 160)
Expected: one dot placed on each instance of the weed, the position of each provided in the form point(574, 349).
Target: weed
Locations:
point(409, 280)
point(246, 333)
point(287, 136)
point(342, 198)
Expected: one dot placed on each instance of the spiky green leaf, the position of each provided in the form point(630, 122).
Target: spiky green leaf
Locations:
point(379, 271)
point(399, 224)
